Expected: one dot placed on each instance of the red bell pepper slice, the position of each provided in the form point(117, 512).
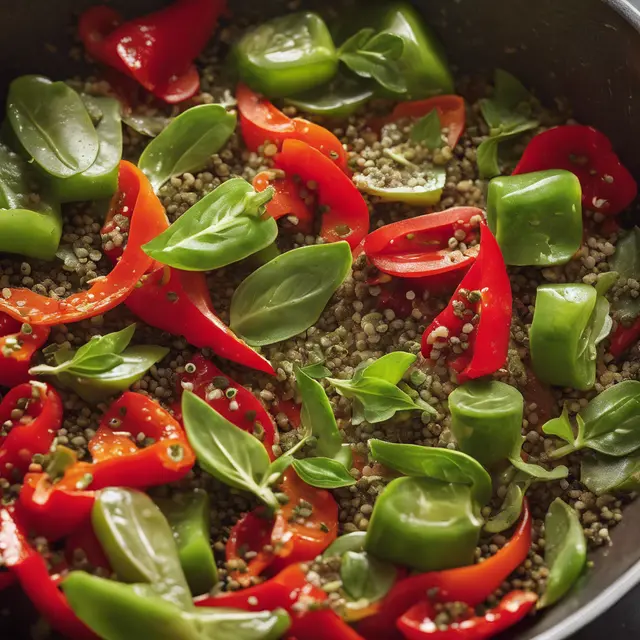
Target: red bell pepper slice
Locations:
point(31, 433)
point(607, 186)
point(172, 300)
point(418, 247)
point(56, 509)
point(484, 292)
point(30, 568)
point(158, 49)
point(105, 292)
point(623, 338)
point(418, 624)
point(291, 591)
point(261, 121)
point(472, 584)
point(450, 108)
point(292, 542)
point(286, 200)
point(345, 212)
point(247, 412)
point(17, 349)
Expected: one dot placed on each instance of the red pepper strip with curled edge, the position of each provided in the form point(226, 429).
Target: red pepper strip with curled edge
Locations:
point(158, 49)
point(31, 571)
point(229, 398)
point(291, 542)
point(345, 214)
point(450, 108)
point(56, 509)
point(419, 247)
point(261, 121)
point(607, 186)
point(418, 624)
point(108, 291)
point(623, 338)
point(32, 433)
point(291, 591)
point(286, 200)
point(472, 584)
point(489, 339)
point(17, 348)
point(169, 299)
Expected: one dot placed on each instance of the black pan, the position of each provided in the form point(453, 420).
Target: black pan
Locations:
point(585, 50)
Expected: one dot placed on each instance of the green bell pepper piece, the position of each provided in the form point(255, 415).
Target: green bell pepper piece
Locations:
point(486, 419)
point(116, 611)
point(189, 518)
point(139, 543)
point(424, 524)
point(340, 98)
point(536, 217)
point(100, 180)
point(568, 323)
point(423, 63)
point(287, 55)
point(30, 221)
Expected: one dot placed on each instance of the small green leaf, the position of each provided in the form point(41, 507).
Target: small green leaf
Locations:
point(287, 295)
point(560, 427)
point(487, 153)
point(323, 473)
point(317, 371)
point(565, 551)
point(428, 131)
point(390, 367)
point(187, 143)
point(509, 511)
point(150, 126)
point(224, 227)
point(52, 124)
point(225, 451)
point(365, 577)
point(538, 473)
point(604, 474)
point(440, 464)
point(276, 469)
point(317, 415)
point(510, 105)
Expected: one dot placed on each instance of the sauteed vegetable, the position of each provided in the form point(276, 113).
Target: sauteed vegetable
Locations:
point(342, 348)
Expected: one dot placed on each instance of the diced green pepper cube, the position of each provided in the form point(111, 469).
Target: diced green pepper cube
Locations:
point(189, 519)
point(287, 55)
point(536, 217)
point(424, 524)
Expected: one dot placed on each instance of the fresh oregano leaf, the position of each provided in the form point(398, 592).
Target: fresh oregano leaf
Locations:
point(560, 427)
point(224, 227)
point(187, 143)
point(323, 473)
point(287, 295)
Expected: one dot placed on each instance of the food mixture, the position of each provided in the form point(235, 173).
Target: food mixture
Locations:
point(304, 336)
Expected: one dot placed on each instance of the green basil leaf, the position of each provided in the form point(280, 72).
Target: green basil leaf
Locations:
point(440, 464)
point(390, 368)
point(138, 541)
point(560, 427)
point(317, 371)
point(150, 126)
point(276, 469)
point(604, 474)
point(565, 551)
point(323, 473)
point(380, 399)
point(487, 153)
point(19, 210)
point(611, 420)
point(115, 342)
point(510, 105)
point(225, 451)
point(187, 143)
point(222, 228)
point(53, 125)
point(94, 364)
point(364, 577)
point(369, 64)
point(132, 611)
point(509, 511)
point(349, 542)
point(538, 473)
point(287, 295)
point(428, 131)
point(317, 415)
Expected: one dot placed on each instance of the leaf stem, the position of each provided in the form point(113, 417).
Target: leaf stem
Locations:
point(563, 451)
